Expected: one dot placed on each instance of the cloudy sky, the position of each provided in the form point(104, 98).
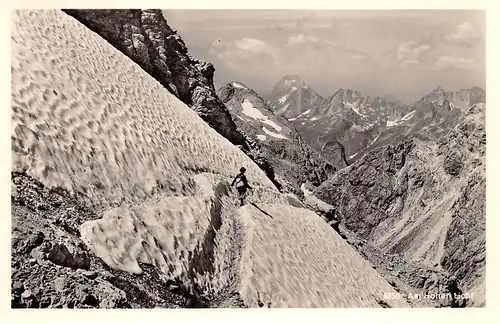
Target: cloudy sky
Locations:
point(404, 54)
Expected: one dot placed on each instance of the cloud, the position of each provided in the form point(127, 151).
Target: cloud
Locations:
point(405, 48)
point(422, 49)
point(245, 52)
point(300, 38)
point(410, 53)
point(409, 62)
point(254, 45)
point(447, 62)
point(463, 33)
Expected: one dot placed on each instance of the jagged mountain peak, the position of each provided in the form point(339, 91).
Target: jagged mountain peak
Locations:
point(292, 77)
point(347, 91)
point(438, 89)
point(437, 97)
point(236, 86)
point(291, 95)
point(290, 81)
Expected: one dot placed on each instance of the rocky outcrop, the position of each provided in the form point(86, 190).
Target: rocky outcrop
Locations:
point(335, 153)
point(422, 200)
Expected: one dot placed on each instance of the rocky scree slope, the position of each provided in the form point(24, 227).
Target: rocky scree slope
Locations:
point(146, 38)
point(361, 123)
point(423, 201)
point(292, 158)
point(121, 197)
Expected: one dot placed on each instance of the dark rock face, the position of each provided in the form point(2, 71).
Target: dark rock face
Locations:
point(335, 153)
point(423, 200)
point(145, 37)
point(60, 255)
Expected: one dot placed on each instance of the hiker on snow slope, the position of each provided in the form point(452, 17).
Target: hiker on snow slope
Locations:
point(241, 185)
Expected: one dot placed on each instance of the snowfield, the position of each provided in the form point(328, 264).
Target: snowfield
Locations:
point(237, 85)
point(268, 132)
point(392, 123)
point(251, 111)
point(87, 119)
point(283, 99)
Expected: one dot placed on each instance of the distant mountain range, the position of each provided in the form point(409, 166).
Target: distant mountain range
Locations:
point(360, 123)
point(292, 158)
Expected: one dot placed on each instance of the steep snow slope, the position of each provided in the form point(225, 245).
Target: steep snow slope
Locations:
point(335, 276)
point(86, 119)
point(145, 37)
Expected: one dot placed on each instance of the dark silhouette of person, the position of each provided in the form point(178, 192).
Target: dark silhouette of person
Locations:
point(242, 185)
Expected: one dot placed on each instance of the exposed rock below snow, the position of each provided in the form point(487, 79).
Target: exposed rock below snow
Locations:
point(422, 200)
point(335, 153)
point(430, 118)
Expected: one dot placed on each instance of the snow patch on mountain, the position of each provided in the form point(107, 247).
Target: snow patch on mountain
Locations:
point(304, 190)
point(354, 107)
point(251, 111)
point(270, 133)
point(392, 123)
point(283, 99)
point(273, 125)
point(408, 116)
point(261, 137)
point(374, 140)
point(237, 85)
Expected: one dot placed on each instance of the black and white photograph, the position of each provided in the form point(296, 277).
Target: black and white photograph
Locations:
point(248, 158)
